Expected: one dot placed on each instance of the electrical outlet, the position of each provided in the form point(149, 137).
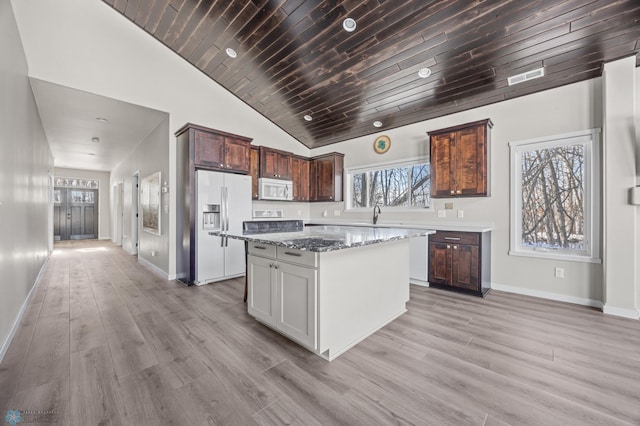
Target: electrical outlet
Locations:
point(336, 212)
point(448, 206)
point(559, 272)
point(442, 213)
point(460, 214)
point(154, 253)
point(299, 212)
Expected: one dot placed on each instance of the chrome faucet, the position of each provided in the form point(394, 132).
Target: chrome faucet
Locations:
point(376, 213)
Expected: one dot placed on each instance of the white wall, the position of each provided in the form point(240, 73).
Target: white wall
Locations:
point(25, 169)
point(150, 156)
point(87, 45)
point(566, 109)
point(104, 197)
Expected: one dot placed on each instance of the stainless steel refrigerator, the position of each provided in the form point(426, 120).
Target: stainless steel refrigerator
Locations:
point(222, 203)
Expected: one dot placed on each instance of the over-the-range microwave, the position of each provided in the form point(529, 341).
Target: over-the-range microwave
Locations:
point(275, 189)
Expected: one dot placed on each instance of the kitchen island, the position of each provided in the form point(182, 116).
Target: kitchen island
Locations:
point(327, 287)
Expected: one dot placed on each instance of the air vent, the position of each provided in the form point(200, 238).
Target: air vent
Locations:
point(526, 76)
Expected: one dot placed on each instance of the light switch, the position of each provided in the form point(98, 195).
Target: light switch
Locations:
point(442, 213)
point(460, 214)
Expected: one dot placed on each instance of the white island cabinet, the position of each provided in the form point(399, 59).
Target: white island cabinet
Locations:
point(328, 301)
point(283, 290)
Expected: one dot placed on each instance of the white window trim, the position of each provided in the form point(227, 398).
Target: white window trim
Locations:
point(591, 140)
point(349, 172)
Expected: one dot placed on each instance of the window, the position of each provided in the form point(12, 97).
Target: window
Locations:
point(404, 185)
point(65, 182)
point(555, 197)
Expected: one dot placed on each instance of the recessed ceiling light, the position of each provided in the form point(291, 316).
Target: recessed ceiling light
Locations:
point(525, 76)
point(308, 117)
point(91, 153)
point(424, 72)
point(231, 53)
point(102, 119)
point(349, 25)
point(377, 123)
point(95, 139)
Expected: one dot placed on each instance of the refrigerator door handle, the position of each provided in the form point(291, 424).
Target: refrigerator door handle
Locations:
point(223, 213)
point(226, 201)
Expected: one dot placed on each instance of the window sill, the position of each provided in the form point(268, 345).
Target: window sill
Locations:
point(556, 256)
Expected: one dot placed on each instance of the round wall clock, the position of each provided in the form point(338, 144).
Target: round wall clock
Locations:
point(382, 144)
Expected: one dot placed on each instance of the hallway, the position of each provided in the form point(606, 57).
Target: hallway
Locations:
point(105, 341)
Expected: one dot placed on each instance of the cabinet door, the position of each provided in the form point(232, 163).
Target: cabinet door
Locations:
point(325, 184)
point(209, 149)
point(237, 156)
point(471, 161)
point(303, 180)
point(465, 268)
point(254, 165)
point(300, 177)
point(283, 165)
point(440, 263)
point(275, 164)
point(261, 297)
point(297, 313)
point(442, 165)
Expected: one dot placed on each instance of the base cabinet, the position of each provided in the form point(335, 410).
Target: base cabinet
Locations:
point(283, 295)
point(460, 261)
point(261, 299)
point(296, 307)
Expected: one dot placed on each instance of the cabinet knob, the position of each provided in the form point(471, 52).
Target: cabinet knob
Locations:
point(455, 247)
point(459, 191)
point(448, 246)
point(452, 191)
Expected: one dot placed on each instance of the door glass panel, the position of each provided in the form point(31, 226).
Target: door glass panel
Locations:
point(57, 196)
point(83, 197)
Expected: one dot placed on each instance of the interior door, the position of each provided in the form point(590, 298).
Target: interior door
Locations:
point(75, 214)
point(60, 214)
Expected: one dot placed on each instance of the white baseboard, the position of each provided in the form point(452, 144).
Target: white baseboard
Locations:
point(23, 309)
point(154, 268)
point(548, 295)
point(418, 282)
point(621, 312)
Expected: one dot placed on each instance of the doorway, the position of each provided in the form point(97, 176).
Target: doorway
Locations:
point(75, 214)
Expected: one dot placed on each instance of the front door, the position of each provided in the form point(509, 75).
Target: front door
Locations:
point(75, 214)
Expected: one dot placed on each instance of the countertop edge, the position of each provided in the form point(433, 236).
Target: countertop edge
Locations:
point(264, 239)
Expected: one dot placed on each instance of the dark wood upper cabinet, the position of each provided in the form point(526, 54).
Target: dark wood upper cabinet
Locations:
point(300, 174)
point(326, 177)
point(218, 150)
point(274, 163)
point(254, 170)
point(460, 158)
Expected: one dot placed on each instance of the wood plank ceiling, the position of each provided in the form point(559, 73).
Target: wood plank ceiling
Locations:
point(294, 58)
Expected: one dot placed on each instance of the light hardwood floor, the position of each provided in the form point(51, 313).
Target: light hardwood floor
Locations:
point(105, 341)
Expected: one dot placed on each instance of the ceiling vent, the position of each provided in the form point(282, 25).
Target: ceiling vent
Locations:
point(526, 76)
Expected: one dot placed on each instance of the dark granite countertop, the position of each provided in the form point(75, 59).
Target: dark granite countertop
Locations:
point(326, 238)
